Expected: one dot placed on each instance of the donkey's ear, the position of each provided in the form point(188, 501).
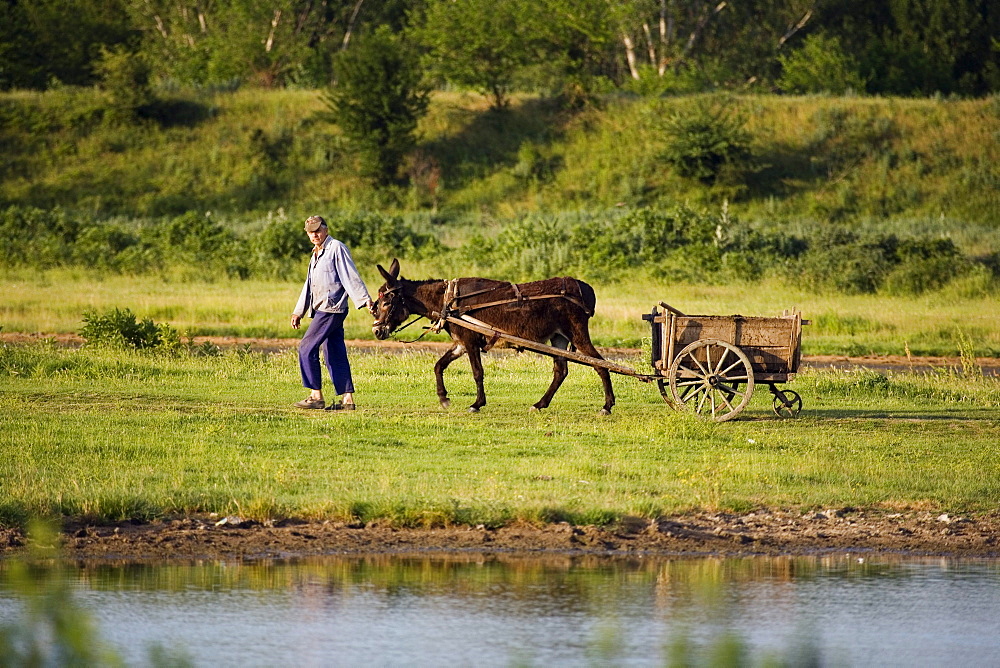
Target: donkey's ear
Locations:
point(394, 268)
point(390, 280)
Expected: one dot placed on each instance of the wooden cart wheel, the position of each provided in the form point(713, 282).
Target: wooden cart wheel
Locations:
point(787, 403)
point(707, 376)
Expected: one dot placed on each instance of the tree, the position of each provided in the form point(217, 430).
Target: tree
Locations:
point(377, 101)
point(270, 44)
point(479, 44)
point(46, 41)
point(820, 65)
point(125, 80)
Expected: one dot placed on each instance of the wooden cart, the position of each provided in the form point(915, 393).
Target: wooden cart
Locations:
point(709, 363)
point(712, 363)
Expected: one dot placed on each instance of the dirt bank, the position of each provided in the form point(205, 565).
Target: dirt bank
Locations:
point(759, 533)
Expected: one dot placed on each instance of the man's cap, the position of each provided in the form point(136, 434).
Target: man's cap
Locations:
point(313, 223)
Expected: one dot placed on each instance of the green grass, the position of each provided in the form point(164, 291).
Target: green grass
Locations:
point(933, 324)
point(893, 165)
point(111, 436)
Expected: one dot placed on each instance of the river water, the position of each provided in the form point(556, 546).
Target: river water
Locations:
point(554, 611)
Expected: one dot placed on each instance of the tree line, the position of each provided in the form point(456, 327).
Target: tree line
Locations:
point(574, 48)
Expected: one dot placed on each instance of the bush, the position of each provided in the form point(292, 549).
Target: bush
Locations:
point(842, 261)
point(101, 246)
point(36, 238)
point(125, 80)
point(378, 99)
point(371, 234)
point(118, 328)
point(706, 141)
point(193, 240)
point(820, 65)
point(279, 249)
point(924, 265)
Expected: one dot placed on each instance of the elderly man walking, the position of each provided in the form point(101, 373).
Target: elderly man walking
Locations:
point(331, 279)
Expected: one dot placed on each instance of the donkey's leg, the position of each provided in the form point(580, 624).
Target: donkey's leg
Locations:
point(559, 371)
point(581, 339)
point(453, 354)
point(476, 362)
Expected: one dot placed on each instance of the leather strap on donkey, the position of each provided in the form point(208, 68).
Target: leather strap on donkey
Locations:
point(452, 297)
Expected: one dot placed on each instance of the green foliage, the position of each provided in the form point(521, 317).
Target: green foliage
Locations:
point(478, 44)
point(33, 237)
point(125, 79)
point(820, 65)
point(844, 137)
point(678, 243)
point(707, 141)
point(377, 101)
point(119, 328)
point(194, 240)
point(377, 236)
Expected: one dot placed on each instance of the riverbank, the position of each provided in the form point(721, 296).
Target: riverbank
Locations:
point(764, 532)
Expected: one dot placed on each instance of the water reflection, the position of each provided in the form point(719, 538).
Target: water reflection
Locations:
point(504, 610)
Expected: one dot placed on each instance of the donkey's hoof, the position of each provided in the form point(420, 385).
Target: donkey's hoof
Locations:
point(533, 409)
point(604, 411)
point(446, 403)
point(473, 409)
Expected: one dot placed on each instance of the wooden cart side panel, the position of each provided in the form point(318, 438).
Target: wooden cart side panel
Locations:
point(771, 344)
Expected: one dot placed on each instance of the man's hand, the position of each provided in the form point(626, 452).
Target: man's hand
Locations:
point(296, 320)
point(372, 308)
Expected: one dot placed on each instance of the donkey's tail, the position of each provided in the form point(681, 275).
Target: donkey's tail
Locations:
point(587, 296)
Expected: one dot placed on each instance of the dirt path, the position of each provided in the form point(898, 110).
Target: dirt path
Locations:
point(760, 533)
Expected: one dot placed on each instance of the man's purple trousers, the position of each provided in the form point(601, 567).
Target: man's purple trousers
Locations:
point(326, 332)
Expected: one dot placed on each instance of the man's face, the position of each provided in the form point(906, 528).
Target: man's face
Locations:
point(319, 236)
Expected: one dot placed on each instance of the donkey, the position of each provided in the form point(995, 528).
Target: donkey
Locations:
point(555, 310)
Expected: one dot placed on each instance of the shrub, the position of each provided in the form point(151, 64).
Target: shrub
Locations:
point(101, 246)
point(193, 240)
point(279, 249)
point(820, 65)
point(842, 261)
point(118, 328)
point(382, 236)
point(125, 80)
point(925, 264)
point(706, 140)
point(378, 99)
point(36, 238)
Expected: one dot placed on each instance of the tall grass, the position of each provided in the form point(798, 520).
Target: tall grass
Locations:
point(945, 322)
point(896, 163)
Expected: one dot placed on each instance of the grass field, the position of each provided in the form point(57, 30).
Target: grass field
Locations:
point(110, 435)
point(940, 323)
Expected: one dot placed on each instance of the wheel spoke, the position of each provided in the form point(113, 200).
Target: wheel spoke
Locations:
point(734, 391)
point(725, 399)
point(685, 392)
point(701, 402)
point(732, 366)
point(694, 359)
point(722, 360)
